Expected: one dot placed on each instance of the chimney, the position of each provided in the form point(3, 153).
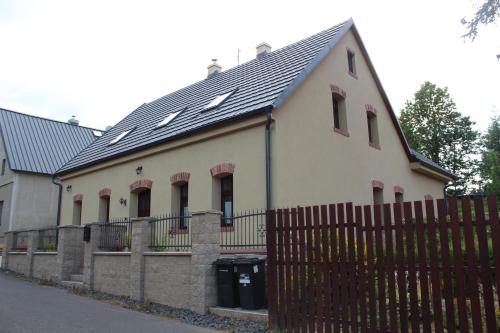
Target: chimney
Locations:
point(263, 49)
point(214, 68)
point(73, 121)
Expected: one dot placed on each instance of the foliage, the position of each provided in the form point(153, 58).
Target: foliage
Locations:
point(487, 13)
point(51, 247)
point(490, 165)
point(434, 127)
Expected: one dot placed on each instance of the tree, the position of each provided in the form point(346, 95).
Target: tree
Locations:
point(490, 165)
point(434, 128)
point(487, 13)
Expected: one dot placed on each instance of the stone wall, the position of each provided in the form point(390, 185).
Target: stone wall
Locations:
point(19, 262)
point(168, 279)
point(112, 273)
point(45, 265)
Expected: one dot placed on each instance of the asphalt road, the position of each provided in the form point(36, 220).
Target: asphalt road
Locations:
point(27, 307)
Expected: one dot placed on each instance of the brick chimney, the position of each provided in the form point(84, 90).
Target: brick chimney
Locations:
point(214, 68)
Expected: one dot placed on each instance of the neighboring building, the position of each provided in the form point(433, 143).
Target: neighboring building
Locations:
point(32, 149)
point(306, 124)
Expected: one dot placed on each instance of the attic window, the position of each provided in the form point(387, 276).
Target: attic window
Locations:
point(351, 63)
point(97, 133)
point(168, 119)
point(119, 137)
point(217, 101)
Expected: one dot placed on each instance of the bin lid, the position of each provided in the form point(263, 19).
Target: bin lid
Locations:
point(224, 262)
point(248, 261)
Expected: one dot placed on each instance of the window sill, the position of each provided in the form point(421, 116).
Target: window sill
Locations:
point(374, 145)
point(341, 131)
point(353, 74)
point(178, 231)
point(227, 229)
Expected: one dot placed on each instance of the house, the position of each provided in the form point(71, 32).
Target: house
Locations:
point(306, 124)
point(32, 149)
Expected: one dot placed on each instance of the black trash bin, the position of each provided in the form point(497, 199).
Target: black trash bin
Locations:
point(227, 283)
point(251, 280)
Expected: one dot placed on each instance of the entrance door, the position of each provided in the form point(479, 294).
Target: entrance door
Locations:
point(144, 203)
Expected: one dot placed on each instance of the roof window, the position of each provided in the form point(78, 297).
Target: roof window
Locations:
point(120, 137)
point(97, 134)
point(168, 119)
point(218, 100)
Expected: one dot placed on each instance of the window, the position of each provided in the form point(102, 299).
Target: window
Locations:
point(378, 196)
point(217, 101)
point(120, 137)
point(1, 211)
point(144, 203)
point(399, 197)
point(351, 62)
point(3, 167)
point(339, 113)
point(77, 213)
point(97, 134)
point(373, 138)
point(168, 119)
point(227, 200)
point(184, 209)
point(104, 203)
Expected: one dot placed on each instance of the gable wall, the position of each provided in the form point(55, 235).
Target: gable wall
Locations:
point(312, 164)
point(6, 188)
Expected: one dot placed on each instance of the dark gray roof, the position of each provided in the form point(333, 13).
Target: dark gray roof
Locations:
point(430, 163)
point(258, 84)
point(39, 145)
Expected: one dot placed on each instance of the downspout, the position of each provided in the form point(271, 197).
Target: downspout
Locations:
point(268, 157)
point(59, 199)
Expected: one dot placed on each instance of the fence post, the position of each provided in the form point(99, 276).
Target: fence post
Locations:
point(205, 228)
point(141, 237)
point(32, 247)
point(7, 246)
point(88, 258)
point(70, 250)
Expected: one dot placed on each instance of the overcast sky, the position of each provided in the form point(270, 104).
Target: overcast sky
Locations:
point(99, 60)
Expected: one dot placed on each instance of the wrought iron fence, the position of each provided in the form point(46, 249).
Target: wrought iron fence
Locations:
point(20, 241)
point(244, 232)
point(116, 235)
point(47, 239)
point(171, 233)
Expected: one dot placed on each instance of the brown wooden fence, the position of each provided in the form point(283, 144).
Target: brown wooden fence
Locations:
point(340, 268)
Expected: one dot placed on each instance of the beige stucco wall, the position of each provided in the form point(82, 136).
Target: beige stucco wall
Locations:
point(245, 149)
point(312, 164)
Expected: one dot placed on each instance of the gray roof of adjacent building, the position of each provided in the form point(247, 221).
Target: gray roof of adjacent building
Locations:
point(256, 86)
point(39, 145)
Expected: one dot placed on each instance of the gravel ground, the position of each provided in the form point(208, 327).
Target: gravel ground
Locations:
point(186, 316)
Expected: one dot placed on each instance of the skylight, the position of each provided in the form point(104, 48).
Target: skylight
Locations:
point(217, 101)
point(168, 119)
point(97, 133)
point(119, 137)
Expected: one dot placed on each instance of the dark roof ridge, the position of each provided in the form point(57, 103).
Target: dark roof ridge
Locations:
point(48, 119)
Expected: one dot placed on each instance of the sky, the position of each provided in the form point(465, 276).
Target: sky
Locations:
point(99, 60)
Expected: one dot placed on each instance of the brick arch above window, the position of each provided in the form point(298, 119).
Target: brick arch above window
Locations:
point(180, 178)
point(78, 198)
point(399, 189)
point(222, 170)
point(369, 108)
point(378, 184)
point(338, 91)
point(105, 192)
point(140, 185)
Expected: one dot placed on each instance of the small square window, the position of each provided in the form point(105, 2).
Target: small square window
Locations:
point(351, 62)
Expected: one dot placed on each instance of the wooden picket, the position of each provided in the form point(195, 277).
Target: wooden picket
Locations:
point(424, 267)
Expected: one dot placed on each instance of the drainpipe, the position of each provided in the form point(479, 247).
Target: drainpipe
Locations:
point(59, 199)
point(268, 157)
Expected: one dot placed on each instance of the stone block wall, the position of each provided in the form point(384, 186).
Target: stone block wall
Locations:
point(45, 266)
point(112, 273)
point(19, 262)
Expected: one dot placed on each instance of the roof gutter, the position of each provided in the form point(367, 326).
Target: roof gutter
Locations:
point(59, 199)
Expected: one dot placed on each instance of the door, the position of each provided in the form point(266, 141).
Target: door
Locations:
point(144, 203)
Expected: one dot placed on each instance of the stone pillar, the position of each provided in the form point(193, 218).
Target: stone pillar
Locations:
point(7, 246)
point(32, 247)
point(88, 257)
point(205, 229)
point(141, 237)
point(70, 251)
